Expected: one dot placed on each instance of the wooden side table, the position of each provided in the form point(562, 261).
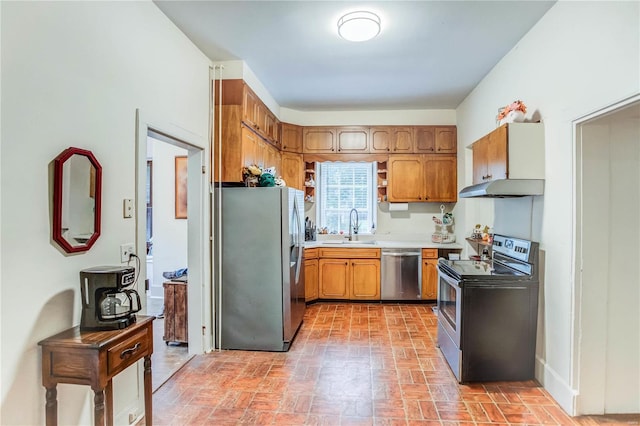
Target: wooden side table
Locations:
point(176, 325)
point(93, 358)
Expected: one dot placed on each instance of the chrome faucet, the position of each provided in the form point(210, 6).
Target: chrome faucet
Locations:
point(353, 228)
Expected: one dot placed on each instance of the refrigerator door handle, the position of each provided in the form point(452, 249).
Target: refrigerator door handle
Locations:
point(297, 239)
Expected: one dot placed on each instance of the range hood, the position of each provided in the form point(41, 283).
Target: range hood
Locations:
point(504, 188)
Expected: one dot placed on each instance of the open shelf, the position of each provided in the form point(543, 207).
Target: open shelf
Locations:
point(382, 181)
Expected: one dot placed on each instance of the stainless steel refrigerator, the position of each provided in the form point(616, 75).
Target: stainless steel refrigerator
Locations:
point(260, 295)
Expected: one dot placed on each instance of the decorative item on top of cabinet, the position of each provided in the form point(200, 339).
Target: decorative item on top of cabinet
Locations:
point(291, 137)
point(512, 151)
point(309, 181)
point(382, 181)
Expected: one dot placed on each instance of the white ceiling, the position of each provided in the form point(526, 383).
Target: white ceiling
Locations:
point(429, 55)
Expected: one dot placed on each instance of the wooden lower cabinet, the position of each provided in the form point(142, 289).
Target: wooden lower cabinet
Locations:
point(310, 274)
point(175, 312)
point(349, 274)
point(365, 279)
point(429, 274)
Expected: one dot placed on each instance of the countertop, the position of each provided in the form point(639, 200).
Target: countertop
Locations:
point(381, 244)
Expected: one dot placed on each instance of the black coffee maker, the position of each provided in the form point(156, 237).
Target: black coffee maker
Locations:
point(106, 302)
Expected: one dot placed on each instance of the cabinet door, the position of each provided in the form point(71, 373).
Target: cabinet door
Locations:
point(333, 279)
point(310, 279)
point(426, 139)
point(497, 164)
point(319, 140)
point(291, 138)
point(261, 118)
point(429, 279)
point(180, 306)
point(440, 172)
point(353, 139)
point(273, 158)
point(402, 140)
point(271, 128)
point(249, 107)
point(365, 279)
point(293, 170)
point(250, 143)
point(480, 160)
point(380, 139)
point(406, 178)
point(446, 139)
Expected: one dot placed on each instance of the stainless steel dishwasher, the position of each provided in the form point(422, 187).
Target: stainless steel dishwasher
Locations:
point(401, 272)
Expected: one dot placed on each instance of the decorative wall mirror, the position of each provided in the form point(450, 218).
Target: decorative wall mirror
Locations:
point(77, 195)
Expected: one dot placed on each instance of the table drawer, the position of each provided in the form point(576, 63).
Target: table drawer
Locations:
point(126, 353)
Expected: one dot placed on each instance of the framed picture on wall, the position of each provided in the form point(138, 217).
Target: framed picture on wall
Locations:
point(181, 187)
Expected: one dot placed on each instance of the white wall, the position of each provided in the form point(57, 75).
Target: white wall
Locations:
point(169, 233)
point(580, 57)
point(73, 74)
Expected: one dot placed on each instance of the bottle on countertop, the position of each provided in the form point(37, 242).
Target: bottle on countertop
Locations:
point(485, 254)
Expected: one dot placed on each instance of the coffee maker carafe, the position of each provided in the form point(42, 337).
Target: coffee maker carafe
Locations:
point(106, 302)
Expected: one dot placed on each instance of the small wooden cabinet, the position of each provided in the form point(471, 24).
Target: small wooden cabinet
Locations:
point(93, 358)
point(175, 312)
point(422, 178)
point(353, 140)
point(291, 137)
point(402, 140)
point(436, 140)
point(429, 274)
point(310, 274)
point(293, 170)
point(319, 139)
point(514, 151)
point(352, 274)
point(380, 139)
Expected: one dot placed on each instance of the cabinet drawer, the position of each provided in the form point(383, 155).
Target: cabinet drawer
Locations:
point(429, 253)
point(126, 353)
point(350, 253)
point(311, 253)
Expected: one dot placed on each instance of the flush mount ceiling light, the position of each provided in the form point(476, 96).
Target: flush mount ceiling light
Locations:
point(359, 26)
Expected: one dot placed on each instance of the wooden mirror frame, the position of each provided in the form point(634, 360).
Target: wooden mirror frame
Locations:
point(58, 196)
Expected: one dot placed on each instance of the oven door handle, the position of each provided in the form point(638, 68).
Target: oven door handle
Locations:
point(448, 277)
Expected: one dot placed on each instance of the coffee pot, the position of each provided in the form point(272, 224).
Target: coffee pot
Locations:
point(107, 303)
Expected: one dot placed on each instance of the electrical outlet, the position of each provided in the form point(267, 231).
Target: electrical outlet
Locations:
point(125, 251)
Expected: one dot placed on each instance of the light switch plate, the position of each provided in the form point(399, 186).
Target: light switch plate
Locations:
point(127, 208)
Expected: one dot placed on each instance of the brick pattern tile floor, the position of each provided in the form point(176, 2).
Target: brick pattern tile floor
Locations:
point(352, 364)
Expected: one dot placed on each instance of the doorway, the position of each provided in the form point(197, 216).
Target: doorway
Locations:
point(184, 234)
point(607, 271)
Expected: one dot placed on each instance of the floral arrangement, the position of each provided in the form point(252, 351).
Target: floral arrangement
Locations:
point(514, 106)
point(254, 175)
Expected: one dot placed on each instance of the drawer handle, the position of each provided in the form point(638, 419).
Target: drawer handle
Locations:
point(128, 352)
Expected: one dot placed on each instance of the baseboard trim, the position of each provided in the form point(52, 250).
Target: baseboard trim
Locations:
point(556, 386)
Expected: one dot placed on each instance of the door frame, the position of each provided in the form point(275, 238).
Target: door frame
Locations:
point(198, 229)
point(585, 402)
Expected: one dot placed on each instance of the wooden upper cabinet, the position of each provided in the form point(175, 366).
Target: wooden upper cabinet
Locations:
point(293, 170)
point(436, 140)
point(490, 160)
point(422, 178)
point(446, 140)
point(291, 137)
point(319, 139)
point(440, 173)
point(250, 104)
point(402, 140)
point(353, 139)
point(380, 139)
point(406, 178)
point(425, 139)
